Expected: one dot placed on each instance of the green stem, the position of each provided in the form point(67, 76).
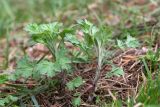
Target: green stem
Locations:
point(7, 50)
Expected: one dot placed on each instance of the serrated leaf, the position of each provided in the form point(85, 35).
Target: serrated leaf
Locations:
point(44, 32)
point(121, 44)
point(32, 28)
point(35, 29)
point(116, 71)
point(132, 42)
point(38, 38)
point(76, 102)
point(72, 39)
point(62, 60)
point(51, 27)
point(66, 31)
point(46, 68)
point(70, 85)
point(103, 34)
point(25, 67)
point(87, 27)
point(76, 82)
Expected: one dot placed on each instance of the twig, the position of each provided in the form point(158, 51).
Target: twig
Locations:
point(110, 93)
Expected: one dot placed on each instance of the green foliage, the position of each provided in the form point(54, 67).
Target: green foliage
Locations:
point(116, 71)
point(96, 39)
point(27, 68)
point(130, 42)
point(72, 39)
point(121, 44)
point(43, 28)
point(150, 61)
point(3, 78)
point(7, 100)
point(72, 85)
point(130, 102)
point(101, 40)
point(94, 36)
point(51, 35)
point(62, 61)
point(89, 31)
point(54, 36)
point(117, 103)
point(153, 56)
point(24, 68)
point(46, 68)
point(149, 93)
point(88, 27)
point(76, 82)
point(47, 34)
point(76, 102)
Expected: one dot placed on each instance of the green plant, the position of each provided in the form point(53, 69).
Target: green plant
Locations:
point(76, 82)
point(150, 61)
point(130, 42)
point(96, 39)
point(116, 71)
point(76, 101)
point(149, 93)
point(55, 36)
point(72, 85)
point(153, 58)
point(52, 36)
point(7, 100)
point(3, 78)
point(56, 73)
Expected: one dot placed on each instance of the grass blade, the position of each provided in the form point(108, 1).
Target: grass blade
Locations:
point(147, 69)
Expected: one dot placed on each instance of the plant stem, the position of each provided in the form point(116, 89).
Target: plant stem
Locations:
point(7, 50)
point(99, 66)
point(97, 76)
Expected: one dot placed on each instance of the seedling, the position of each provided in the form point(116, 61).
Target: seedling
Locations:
point(96, 39)
point(54, 36)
